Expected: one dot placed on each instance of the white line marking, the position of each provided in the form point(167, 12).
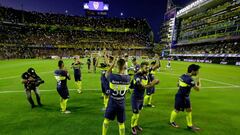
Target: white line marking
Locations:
point(167, 88)
point(219, 82)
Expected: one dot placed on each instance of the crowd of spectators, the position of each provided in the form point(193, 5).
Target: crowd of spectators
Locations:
point(32, 33)
point(23, 52)
point(217, 48)
point(19, 16)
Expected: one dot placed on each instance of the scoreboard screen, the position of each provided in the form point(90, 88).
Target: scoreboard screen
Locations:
point(96, 6)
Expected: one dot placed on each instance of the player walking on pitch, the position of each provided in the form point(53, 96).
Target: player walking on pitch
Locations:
point(62, 76)
point(151, 75)
point(76, 65)
point(182, 99)
point(140, 83)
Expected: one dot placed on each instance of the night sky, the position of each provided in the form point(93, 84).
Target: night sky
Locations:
point(152, 10)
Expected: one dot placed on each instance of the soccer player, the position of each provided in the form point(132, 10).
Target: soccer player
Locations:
point(118, 84)
point(94, 64)
point(89, 64)
point(150, 91)
point(182, 99)
point(104, 82)
point(141, 82)
point(31, 81)
point(62, 76)
point(169, 64)
point(135, 65)
point(126, 59)
point(156, 57)
point(133, 70)
point(76, 65)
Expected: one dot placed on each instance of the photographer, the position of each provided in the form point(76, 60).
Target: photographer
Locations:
point(31, 82)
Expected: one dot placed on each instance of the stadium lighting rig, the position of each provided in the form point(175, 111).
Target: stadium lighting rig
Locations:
point(192, 6)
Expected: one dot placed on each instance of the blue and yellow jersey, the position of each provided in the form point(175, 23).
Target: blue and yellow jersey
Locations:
point(118, 84)
point(104, 67)
point(185, 84)
point(151, 74)
point(133, 69)
point(137, 68)
point(139, 80)
point(76, 68)
point(61, 76)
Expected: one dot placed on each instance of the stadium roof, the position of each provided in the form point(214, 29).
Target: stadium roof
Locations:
point(182, 3)
point(200, 8)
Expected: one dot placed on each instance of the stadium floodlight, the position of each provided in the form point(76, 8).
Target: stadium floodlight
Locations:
point(192, 6)
point(85, 6)
point(106, 7)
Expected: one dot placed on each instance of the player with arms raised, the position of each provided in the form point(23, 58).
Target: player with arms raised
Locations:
point(76, 65)
point(119, 84)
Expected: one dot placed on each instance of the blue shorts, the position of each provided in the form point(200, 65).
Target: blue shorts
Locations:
point(137, 104)
point(63, 92)
point(182, 102)
point(150, 91)
point(105, 85)
point(116, 108)
point(77, 77)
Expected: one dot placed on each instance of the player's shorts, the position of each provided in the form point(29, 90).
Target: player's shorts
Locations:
point(105, 85)
point(150, 91)
point(131, 85)
point(168, 65)
point(182, 102)
point(116, 108)
point(137, 104)
point(30, 88)
point(63, 92)
point(77, 77)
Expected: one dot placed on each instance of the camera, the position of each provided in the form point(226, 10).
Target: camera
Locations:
point(38, 82)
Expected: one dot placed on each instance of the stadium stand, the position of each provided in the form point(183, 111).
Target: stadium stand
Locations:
point(31, 34)
point(208, 31)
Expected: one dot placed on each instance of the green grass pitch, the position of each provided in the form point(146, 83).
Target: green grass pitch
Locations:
point(215, 108)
